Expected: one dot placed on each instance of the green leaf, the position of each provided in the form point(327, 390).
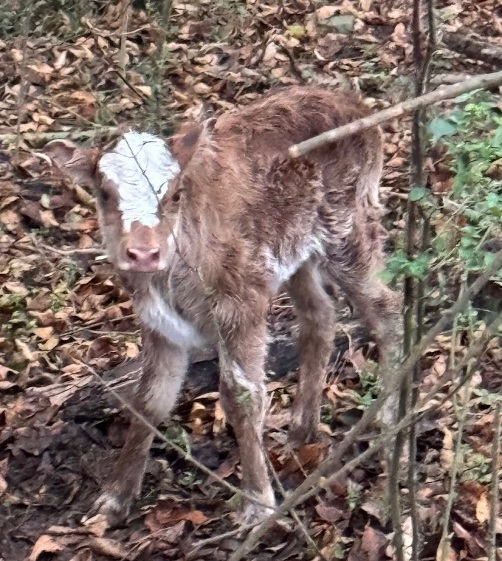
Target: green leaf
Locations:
point(440, 127)
point(343, 23)
point(417, 193)
point(488, 259)
point(296, 30)
point(493, 200)
point(497, 138)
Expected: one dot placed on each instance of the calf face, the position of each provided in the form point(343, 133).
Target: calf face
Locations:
point(129, 182)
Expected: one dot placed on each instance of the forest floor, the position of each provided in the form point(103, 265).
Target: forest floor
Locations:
point(62, 309)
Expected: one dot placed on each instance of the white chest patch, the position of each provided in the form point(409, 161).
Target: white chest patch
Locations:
point(141, 167)
point(160, 317)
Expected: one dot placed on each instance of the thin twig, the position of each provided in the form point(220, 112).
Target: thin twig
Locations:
point(483, 81)
point(123, 35)
point(423, 65)
point(494, 486)
point(95, 324)
point(457, 457)
point(75, 250)
point(24, 85)
point(194, 552)
point(159, 60)
point(83, 134)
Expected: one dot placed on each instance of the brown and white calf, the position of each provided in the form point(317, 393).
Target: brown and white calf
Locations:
point(203, 250)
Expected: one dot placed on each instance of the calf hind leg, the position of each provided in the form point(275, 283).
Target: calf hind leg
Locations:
point(378, 306)
point(316, 316)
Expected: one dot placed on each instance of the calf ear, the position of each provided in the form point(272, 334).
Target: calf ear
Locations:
point(184, 142)
point(76, 162)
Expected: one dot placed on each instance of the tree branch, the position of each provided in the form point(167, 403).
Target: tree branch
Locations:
point(494, 486)
point(473, 46)
point(483, 81)
point(42, 137)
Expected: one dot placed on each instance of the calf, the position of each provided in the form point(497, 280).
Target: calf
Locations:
point(203, 250)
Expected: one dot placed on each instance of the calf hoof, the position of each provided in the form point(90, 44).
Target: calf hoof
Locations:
point(114, 509)
point(300, 435)
point(254, 513)
point(387, 416)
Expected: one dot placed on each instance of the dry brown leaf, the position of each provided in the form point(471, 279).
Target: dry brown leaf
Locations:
point(44, 332)
point(26, 351)
point(166, 514)
point(483, 509)
point(219, 418)
point(44, 544)
point(145, 90)
point(450, 554)
point(475, 545)
point(374, 543)
point(41, 68)
point(439, 367)
point(329, 513)
point(108, 547)
point(50, 344)
point(447, 453)
point(81, 96)
point(307, 458)
point(326, 12)
point(3, 484)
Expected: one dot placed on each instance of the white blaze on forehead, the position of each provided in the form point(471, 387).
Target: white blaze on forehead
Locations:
point(141, 167)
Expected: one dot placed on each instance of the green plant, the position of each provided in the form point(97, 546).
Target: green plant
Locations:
point(370, 383)
point(469, 139)
point(476, 466)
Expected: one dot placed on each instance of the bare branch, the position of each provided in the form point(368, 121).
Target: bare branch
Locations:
point(43, 137)
point(483, 81)
point(444, 544)
point(473, 46)
point(123, 35)
point(494, 486)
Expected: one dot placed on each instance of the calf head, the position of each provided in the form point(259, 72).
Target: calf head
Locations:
point(129, 182)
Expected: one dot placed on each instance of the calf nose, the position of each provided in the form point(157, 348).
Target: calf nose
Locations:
point(143, 259)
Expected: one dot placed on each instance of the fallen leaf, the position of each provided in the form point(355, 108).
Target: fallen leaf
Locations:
point(374, 543)
point(108, 547)
point(44, 332)
point(326, 12)
point(445, 552)
point(329, 513)
point(44, 544)
point(483, 509)
point(447, 454)
point(166, 514)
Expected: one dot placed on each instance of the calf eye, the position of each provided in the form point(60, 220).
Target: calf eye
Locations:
point(104, 196)
point(176, 196)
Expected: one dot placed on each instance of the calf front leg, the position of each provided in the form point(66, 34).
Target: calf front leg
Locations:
point(243, 397)
point(164, 368)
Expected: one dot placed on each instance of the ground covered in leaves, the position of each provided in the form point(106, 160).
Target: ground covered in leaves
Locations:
point(87, 71)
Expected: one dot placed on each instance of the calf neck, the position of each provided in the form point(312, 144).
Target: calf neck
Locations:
point(204, 248)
